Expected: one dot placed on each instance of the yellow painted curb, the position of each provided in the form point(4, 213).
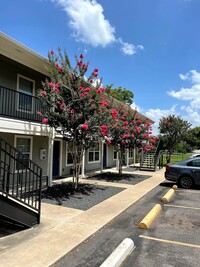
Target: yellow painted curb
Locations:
point(175, 187)
point(150, 217)
point(168, 196)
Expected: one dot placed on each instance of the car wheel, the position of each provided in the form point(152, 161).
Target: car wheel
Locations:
point(186, 182)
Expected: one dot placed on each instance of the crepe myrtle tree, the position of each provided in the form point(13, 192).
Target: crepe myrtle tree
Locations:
point(73, 105)
point(126, 130)
point(173, 129)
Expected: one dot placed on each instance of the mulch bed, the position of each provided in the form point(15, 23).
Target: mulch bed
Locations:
point(88, 195)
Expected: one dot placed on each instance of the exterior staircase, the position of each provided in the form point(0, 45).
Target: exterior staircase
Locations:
point(20, 187)
point(152, 158)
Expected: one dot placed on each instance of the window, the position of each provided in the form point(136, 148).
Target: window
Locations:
point(114, 153)
point(93, 153)
point(69, 159)
point(26, 87)
point(130, 153)
point(24, 145)
point(195, 163)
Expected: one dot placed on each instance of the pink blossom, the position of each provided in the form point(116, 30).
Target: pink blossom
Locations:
point(62, 106)
point(96, 70)
point(73, 110)
point(52, 52)
point(132, 135)
point(86, 90)
point(103, 103)
point(166, 123)
point(84, 126)
point(91, 100)
point(94, 74)
point(114, 113)
point(104, 129)
point(59, 70)
point(51, 84)
point(43, 93)
point(44, 121)
point(56, 90)
point(100, 90)
point(39, 112)
point(108, 141)
point(81, 56)
point(125, 123)
point(137, 129)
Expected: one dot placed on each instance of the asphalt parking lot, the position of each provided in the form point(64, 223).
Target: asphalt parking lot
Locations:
point(172, 240)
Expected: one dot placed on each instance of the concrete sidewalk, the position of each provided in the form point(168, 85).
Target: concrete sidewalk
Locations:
point(62, 229)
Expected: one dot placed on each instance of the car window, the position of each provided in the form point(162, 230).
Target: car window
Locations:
point(195, 163)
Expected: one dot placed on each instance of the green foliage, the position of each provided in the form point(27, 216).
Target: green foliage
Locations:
point(122, 94)
point(173, 129)
point(193, 138)
point(183, 147)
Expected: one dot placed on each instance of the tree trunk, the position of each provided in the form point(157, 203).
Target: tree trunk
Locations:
point(77, 160)
point(168, 157)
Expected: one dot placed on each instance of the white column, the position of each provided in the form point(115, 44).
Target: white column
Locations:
point(127, 157)
point(50, 156)
point(101, 160)
point(83, 165)
point(117, 161)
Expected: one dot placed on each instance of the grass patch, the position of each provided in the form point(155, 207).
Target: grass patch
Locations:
point(176, 157)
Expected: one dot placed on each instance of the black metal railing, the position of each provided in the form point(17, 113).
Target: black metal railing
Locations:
point(20, 177)
point(14, 104)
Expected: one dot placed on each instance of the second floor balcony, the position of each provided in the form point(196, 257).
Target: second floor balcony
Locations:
point(20, 106)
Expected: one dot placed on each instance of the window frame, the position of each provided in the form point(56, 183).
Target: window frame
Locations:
point(67, 152)
point(114, 151)
point(130, 151)
point(31, 147)
point(94, 151)
point(19, 91)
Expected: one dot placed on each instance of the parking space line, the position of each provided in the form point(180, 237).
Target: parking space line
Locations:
point(179, 206)
point(188, 191)
point(170, 241)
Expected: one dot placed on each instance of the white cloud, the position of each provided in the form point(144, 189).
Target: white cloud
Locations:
point(191, 95)
point(136, 107)
point(90, 26)
point(192, 76)
point(129, 49)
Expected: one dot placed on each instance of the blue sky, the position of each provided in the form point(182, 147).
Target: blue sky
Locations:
point(149, 47)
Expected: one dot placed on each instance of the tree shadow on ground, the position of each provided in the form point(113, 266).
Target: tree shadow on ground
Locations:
point(115, 177)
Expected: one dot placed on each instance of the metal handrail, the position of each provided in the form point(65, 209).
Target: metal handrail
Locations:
point(21, 178)
point(14, 104)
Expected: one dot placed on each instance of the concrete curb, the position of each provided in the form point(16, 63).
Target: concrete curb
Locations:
point(119, 254)
point(150, 217)
point(167, 197)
